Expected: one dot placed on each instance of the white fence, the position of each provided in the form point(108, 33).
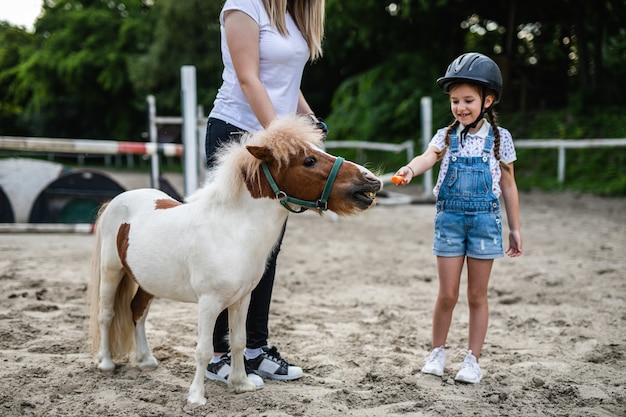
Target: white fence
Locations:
point(109, 147)
point(562, 144)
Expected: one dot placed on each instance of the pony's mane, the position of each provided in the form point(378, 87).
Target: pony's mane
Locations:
point(285, 136)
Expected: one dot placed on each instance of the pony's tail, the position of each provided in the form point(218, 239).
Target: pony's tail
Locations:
point(121, 332)
point(93, 287)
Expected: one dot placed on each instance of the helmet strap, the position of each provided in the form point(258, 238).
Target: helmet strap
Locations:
point(483, 110)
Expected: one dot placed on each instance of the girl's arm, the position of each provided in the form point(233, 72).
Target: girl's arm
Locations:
point(418, 165)
point(511, 204)
point(242, 36)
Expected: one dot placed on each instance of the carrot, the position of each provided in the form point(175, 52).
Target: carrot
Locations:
point(397, 179)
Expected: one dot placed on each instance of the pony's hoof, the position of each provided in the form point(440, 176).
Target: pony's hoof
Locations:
point(147, 368)
point(148, 365)
point(106, 368)
point(194, 401)
point(146, 362)
point(246, 386)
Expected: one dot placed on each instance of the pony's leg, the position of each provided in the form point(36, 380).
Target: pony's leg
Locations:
point(108, 289)
point(140, 307)
point(237, 314)
point(208, 310)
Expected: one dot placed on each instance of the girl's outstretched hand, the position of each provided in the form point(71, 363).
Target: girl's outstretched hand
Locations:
point(397, 179)
point(403, 176)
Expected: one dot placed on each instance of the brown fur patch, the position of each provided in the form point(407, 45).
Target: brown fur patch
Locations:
point(165, 203)
point(140, 302)
point(122, 247)
point(142, 298)
point(122, 242)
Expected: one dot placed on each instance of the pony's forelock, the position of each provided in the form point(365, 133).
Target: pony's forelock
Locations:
point(286, 135)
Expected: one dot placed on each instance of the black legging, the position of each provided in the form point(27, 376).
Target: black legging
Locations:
point(219, 132)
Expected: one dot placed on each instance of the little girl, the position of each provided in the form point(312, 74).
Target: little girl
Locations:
point(477, 167)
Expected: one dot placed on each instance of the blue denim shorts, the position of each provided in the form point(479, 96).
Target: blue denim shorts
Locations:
point(475, 233)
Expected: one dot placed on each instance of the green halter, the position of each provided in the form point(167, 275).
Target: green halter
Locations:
point(320, 204)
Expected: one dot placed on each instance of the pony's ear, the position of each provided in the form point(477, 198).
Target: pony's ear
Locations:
point(260, 152)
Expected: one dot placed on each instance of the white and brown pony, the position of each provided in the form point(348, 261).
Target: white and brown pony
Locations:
point(212, 250)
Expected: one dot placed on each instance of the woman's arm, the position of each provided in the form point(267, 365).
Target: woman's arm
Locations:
point(305, 110)
point(242, 36)
point(303, 107)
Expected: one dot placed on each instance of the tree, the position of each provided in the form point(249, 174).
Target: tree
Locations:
point(75, 72)
point(551, 58)
point(13, 40)
point(186, 32)
point(87, 69)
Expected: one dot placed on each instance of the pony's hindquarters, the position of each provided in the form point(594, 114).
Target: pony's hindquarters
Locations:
point(110, 293)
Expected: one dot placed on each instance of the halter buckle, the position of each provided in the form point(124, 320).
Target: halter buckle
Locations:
point(322, 205)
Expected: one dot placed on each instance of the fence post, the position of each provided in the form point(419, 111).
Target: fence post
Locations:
point(427, 128)
point(153, 133)
point(201, 132)
point(561, 164)
point(190, 128)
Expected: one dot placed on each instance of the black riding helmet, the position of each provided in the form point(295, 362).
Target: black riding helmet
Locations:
point(475, 68)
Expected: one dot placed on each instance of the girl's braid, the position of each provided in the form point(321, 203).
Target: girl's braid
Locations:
point(493, 119)
point(450, 128)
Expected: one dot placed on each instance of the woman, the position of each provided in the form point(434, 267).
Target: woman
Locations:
point(265, 45)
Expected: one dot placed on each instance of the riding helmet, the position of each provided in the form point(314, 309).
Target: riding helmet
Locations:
point(475, 68)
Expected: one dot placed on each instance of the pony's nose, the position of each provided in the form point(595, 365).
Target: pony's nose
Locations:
point(370, 177)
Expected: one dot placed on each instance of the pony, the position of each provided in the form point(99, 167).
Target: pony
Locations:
point(212, 249)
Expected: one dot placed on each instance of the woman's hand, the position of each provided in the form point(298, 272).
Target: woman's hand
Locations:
point(319, 124)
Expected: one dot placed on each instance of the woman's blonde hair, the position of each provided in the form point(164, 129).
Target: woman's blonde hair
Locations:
point(308, 15)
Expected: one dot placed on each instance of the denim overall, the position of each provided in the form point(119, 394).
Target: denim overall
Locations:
point(468, 220)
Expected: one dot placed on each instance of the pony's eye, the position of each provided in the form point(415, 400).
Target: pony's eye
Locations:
point(309, 161)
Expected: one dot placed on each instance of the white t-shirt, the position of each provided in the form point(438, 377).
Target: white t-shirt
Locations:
point(473, 145)
point(282, 61)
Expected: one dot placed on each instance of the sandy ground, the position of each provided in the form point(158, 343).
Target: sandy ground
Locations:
point(352, 306)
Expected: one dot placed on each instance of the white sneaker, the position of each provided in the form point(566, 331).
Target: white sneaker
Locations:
point(470, 371)
point(436, 362)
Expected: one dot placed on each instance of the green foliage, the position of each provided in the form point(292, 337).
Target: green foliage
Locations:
point(74, 71)
point(186, 32)
point(13, 41)
point(596, 170)
point(383, 103)
point(603, 122)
